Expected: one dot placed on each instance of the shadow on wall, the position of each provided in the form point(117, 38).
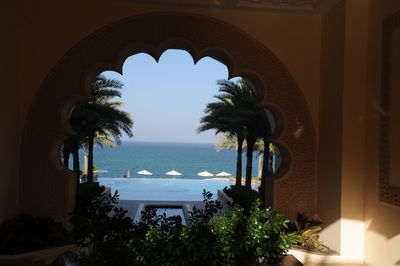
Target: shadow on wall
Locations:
point(326, 260)
point(290, 260)
point(384, 227)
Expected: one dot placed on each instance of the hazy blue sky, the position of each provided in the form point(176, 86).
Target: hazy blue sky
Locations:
point(167, 99)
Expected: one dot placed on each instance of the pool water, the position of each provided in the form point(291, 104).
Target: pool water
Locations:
point(163, 189)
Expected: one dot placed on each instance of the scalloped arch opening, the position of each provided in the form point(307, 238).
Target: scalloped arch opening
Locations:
point(48, 120)
point(252, 79)
point(218, 54)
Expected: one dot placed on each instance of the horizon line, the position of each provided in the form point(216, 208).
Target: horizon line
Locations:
point(164, 141)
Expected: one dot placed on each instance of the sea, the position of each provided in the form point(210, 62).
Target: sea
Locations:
point(189, 159)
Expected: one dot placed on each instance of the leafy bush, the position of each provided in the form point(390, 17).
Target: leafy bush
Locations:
point(87, 192)
point(309, 238)
point(26, 232)
point(158, 243)
point(110, 238)
point(307, 229)
point(102, 231)
point(242, 196)
point(257, 239)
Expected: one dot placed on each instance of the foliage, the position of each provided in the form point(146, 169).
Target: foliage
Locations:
point(102, 231)
point(97, 120)
point(110, 238)
point(230, 115)
point(210, 209)
point(99, 114)
point(257, 239)
point(99, 117)
point(307, 229)
point(309, 238)
point(226, 141)
point(232, 238)
point(237, 114)
point(159, 243)
point(242, 196)
point(26, 232)
point(87, 192)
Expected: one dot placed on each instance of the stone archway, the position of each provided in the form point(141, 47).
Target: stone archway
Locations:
point(52, 186)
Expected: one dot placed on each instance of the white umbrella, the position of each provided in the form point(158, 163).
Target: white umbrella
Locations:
point(205, 173)
point(100, 171)
point(223, 174)
point(173, 172)
point(144, 172)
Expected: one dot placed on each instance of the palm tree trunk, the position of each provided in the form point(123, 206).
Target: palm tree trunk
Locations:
point(249, 163)
point(75, 157)
point(85, 159)
point(66, 152)
point(76, 166)
point(240, 140)
point(264, 174)
point(90, 158)
point(260, 162)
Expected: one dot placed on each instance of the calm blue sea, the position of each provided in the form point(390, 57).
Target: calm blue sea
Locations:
point(160, 157)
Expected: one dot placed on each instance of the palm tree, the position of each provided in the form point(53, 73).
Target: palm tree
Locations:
point(260, 129)
point(98, 119)
point(72, 146)
point(227, 142)
point(251, 140)
point(219, 118)
point(229, 115)
point(100, 140)
point(246, 100)
point(237, 114)
point(264, 132)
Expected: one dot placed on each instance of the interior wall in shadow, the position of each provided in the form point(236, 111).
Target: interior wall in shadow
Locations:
point(10, 112)
point(330, 125)
point(382, 231)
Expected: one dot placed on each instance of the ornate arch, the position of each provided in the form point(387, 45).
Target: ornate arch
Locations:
point(52, 186)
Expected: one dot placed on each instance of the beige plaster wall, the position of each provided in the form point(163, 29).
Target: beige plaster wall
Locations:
point(9, 111)
point(354, 129)
point(382, 220)
point(330, 124)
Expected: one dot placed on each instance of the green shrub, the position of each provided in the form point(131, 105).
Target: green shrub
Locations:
point(103, 231)
point(308, 228)
point(242, 196)
point(111, 238)
point(26, 232)
point(257, 239)
point(88, 191)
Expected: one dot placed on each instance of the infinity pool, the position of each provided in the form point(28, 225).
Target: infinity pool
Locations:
point(163, 189)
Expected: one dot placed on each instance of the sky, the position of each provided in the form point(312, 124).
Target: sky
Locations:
point(167, 99)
